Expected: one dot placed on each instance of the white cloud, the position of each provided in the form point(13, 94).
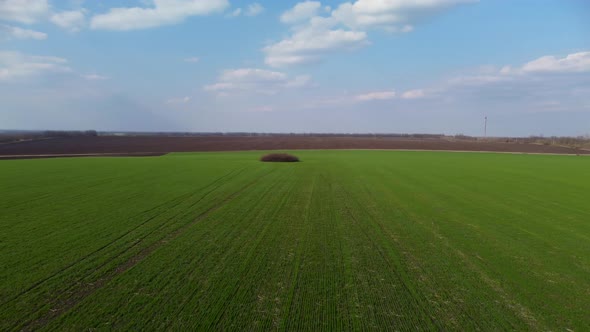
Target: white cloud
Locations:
point(24, 11)
point(377, 95)
point(299, 81)
point(309, 44)
point(235, 13)
point(15, 65)
point(8, 32)
point(181, 100)
point(413, 94)
point(549, 64)
point(393, 15)
point(264, 109)
point(301, 12)
point(164, 12)
point(254, 9)
point(95, 77)
point(345, 28)
point(193, 59)
point(548, 83)
point(479, 79)
point(389, 95)
point(572, 63)
point(255, 80)
point(506, 70)
point(34, 11)
point(72, 20)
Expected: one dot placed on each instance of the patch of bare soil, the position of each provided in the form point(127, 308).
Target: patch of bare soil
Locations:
point(42, 156)
point(158, 145)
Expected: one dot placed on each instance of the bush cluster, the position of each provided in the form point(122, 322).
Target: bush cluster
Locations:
point(279, 157)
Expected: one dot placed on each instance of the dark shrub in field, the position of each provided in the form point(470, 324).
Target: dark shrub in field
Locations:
point(279, 157)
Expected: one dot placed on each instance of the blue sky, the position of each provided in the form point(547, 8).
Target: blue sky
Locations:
point(436, 66)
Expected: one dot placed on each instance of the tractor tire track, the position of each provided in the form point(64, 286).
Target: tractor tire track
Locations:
point(174, 202)
point(183, 305)
point(426, 318)
point(299, 259)
point(525, 314)
point(64, 305)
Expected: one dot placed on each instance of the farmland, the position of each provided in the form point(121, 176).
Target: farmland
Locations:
point(154, 144)
point(344, 240)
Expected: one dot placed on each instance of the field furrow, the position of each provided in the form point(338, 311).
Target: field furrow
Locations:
point(344, 240)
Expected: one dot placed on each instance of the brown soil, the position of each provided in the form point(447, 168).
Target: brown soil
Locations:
point(69, 155)
point(157, 145)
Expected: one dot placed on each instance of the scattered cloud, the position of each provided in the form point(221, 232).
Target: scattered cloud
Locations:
point(371, 96)
point(35, 11)
point(299, 81)
point(479, 79)
point(413, 94)
point(255, 80)
point(506, 70)
point(181, 100)
point(546, 84)
point(24, 11)
point(301, 12)
point(345, 28)
point(254, 9)
point(379, 95)
point(309, 44)
point(95, 77)
point(376, 95)
point(164, 12)
point(193, 59)
point(549, 64)
point(16, 65)
point(8, 32)
point(391, 94)
point(73, 20)
point(391, 15)
point(235, 13)
point(572, 63)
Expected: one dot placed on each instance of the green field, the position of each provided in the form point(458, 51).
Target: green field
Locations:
point(345, 240)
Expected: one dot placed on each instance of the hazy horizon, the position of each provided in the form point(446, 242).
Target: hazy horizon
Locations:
point(358, 66)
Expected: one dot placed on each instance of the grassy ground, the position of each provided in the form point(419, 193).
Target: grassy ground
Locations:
point(344, 240)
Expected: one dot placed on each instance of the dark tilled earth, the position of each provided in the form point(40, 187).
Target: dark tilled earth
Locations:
point(158, 145)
